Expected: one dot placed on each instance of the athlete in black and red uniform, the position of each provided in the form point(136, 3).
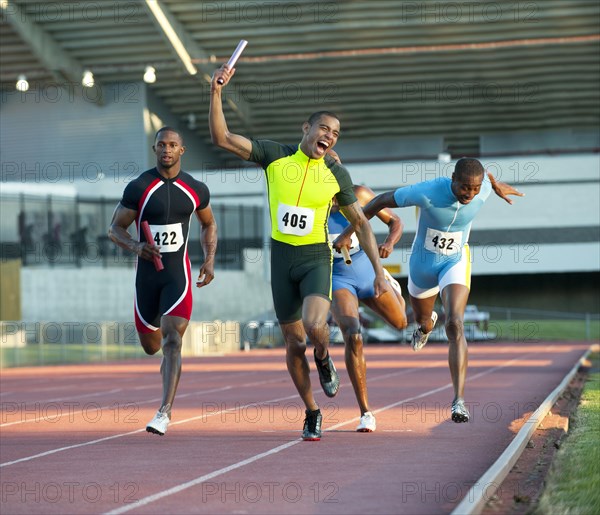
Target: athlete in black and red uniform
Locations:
point(166, 197)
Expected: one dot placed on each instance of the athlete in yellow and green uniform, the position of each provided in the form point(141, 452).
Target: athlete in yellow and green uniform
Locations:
point(301, 183)
point(300, 190)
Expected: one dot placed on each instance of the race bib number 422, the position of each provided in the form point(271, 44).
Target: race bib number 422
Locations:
point(445, 243)
point(295, 220)
point(168, 237)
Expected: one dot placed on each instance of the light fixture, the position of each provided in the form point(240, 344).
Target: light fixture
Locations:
point(150, 75)
point(172, 36)
point(22, 85)
point(88, 79)
point(444, 157)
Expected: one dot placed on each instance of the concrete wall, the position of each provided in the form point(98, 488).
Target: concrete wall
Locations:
point(245, 185)
point(201, 338)
point(10, 290)
point(106, 294)
point(555, 228)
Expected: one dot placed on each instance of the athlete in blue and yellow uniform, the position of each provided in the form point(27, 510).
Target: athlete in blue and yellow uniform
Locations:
point(353, 283)
point(166, 197)
point(440, 259)
point(301, 181)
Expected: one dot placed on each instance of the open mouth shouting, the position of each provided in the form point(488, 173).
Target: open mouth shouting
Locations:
point(322, 146)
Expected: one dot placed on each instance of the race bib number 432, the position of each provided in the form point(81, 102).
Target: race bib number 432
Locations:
point(295, 220)
point(445, 243)
point(168, 237)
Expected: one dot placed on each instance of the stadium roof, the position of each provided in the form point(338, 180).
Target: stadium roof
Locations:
point(391, 70)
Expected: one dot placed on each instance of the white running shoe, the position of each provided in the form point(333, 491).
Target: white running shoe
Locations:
point(393, 283)
point(419, 338)
point(367, 423)
point(158, 425)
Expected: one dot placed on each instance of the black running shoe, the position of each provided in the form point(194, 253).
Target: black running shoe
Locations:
point(460, 413)
point(328, 376)
point(312, 426)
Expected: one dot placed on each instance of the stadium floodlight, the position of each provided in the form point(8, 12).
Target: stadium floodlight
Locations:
point(88, 79)
point(444, 157)
point(22, 84)
point(172, 36)
point(150, 75)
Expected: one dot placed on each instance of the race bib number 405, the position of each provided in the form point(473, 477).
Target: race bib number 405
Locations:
point(295, 220)
point(446, 243)
point(168, 237)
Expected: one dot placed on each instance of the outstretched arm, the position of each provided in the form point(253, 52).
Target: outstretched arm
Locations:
point(356, 217)
point(220, 135)
point(208, 240)
point(503, 190)
point(387, 216)
point(364, 195)
point(382, 201)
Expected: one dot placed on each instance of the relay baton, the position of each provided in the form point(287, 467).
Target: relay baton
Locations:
point(158, 264)
point(235, 56)
point(346, 254)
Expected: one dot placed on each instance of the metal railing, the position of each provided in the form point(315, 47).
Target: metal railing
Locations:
point(72, 231)
point(59, 343)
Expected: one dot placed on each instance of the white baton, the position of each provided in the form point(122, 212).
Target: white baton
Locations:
point(235, 56)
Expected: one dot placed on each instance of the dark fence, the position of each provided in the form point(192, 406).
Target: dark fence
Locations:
point(72, 231)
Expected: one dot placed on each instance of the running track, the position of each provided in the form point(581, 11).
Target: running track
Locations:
point(73, 438)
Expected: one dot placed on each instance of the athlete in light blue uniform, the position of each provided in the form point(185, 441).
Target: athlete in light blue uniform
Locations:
point(353, 283)
point(440, 252)
point(440, 259)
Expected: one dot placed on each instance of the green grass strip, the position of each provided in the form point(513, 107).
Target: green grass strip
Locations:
point(573, 485)
point(533, 331)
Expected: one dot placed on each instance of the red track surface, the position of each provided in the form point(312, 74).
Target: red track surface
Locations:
point(73, 438)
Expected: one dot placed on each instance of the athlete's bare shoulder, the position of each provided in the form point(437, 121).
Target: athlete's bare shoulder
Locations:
point(364, 194)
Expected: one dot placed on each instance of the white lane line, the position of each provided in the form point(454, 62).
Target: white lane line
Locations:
point(239, 464)
point(47, 389)
point(118, 382)
point(53, 418)
point(202, 479)
point(435, 390)
point(184, 486)
point(191, 419)
point(60, 449)
point(381, 377)
point(201, 379)
point(32, 382)
point(58, 399)
point(120, 435)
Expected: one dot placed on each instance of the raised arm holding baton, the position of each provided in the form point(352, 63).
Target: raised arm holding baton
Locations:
point(235, 56)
